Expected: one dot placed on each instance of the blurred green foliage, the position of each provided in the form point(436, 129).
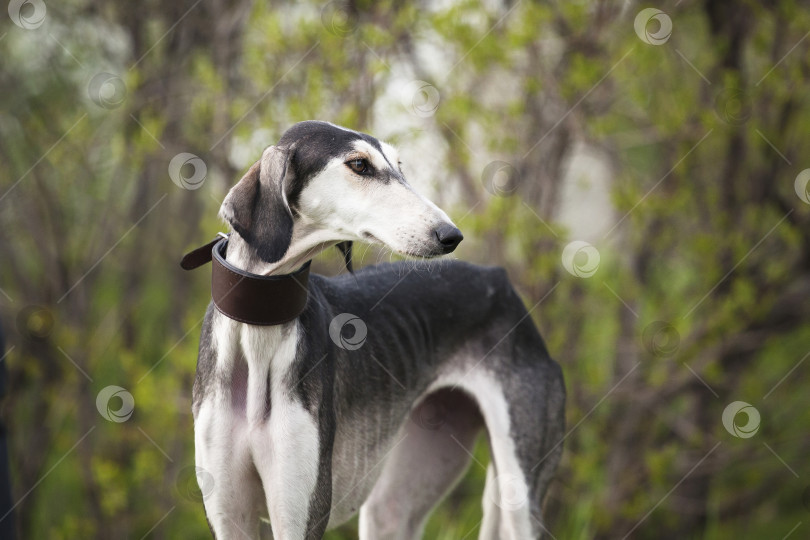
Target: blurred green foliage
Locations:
point(703, 136)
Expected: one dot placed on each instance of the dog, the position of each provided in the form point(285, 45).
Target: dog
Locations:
point(371, 399)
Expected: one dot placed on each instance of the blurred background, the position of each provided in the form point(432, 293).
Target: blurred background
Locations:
point(641, 171)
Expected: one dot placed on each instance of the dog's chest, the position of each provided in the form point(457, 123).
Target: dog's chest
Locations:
point(260, 369)
point(251, 374)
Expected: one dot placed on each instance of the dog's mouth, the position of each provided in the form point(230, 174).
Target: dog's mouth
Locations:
point(370, 238)
point(441, 243)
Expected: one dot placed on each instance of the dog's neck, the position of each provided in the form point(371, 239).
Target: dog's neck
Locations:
point(307, 241)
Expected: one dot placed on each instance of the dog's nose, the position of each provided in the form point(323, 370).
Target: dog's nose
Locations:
point(448, 236)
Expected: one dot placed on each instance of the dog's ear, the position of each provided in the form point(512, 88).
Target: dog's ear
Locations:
point(257, 207)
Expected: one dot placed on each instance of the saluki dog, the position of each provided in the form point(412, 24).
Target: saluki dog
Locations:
point(372, 398)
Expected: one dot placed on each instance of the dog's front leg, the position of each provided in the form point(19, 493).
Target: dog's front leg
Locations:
point(231, 489)
point(288, 455)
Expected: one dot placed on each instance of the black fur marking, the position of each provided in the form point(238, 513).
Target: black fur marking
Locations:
point(206, 361)
point(314, 144)
point(267, 401)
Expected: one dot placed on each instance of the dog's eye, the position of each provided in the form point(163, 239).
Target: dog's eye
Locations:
point(360, 166)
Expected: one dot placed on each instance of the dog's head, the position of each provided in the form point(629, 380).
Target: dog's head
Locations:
point(334, 185)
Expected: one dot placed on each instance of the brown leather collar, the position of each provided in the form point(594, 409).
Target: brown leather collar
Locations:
point(250, 298)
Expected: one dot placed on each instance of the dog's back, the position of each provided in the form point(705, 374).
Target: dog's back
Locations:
point(420, 320)
point(446, 300)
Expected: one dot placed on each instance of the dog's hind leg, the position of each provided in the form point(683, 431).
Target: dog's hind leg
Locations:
point(433, 453)
point(526, 448)
point(508, 495)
